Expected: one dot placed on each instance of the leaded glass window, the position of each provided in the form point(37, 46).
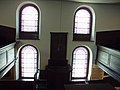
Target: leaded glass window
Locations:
point(29, 22)
point(80, 63)
point(29, 19)
point(28, 61)
point(82, 24)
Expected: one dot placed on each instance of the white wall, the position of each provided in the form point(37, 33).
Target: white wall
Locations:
point(57, 19)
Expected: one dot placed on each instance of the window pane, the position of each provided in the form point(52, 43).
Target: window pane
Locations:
point(80, 60)
point(29, 19)
point(28, 61)
point(82, 22)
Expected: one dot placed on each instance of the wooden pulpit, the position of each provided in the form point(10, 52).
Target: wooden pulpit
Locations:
point(58, 69)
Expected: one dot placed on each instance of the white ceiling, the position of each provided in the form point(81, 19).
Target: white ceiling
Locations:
point(96, 1)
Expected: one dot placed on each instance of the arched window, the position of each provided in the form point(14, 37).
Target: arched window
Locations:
point(80, 63)
point(28, 61)
point(82, 24)
point(29, 22)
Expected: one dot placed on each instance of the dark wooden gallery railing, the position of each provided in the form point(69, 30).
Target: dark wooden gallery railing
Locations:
point(108, 52)
point(7, 49)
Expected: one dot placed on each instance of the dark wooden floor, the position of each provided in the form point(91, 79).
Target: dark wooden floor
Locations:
point(42, 84)
point(17, 85)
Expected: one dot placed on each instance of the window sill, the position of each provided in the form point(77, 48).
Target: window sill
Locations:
point(26, 80)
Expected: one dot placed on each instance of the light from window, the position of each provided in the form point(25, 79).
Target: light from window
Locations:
point(82, 22)
point(29, 19)
point(28, 61)
point(80, 62)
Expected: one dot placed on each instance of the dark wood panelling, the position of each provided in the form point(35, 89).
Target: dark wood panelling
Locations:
point(108, 52)
point(7, 44)
point(7, 35)
point(17, 85)
point(58, 46)
point(58, 70)
point(110, 39)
